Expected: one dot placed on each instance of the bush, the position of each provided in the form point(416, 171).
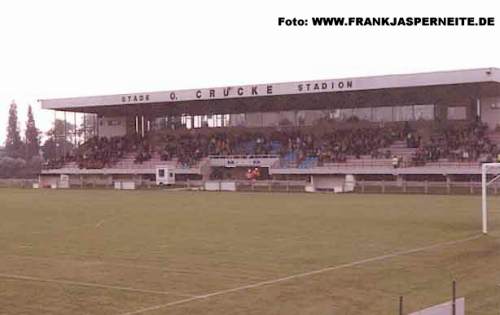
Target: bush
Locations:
point(11, 167)
point(19, 168)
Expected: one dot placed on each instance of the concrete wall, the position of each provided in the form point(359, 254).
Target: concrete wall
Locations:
point(271, 119)
point(253, 119)
point(490, 111)
point(112, 126)
point(457, 113)
point(309, 117)
point(236, 120)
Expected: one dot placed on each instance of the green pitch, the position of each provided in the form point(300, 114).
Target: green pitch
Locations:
point(160, 252)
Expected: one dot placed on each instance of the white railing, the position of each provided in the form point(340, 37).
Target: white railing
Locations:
point(242, 160)
point(245, 156)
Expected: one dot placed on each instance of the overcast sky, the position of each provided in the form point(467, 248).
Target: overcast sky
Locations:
point(54, 48)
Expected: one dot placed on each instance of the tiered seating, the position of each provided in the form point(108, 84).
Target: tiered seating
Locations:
point(246, 147)
point(400, 149)
point(289, 160)
point(128, 162)
point(275, 147)
point(364, 145)
point(447, 163)
point(309, 162)
point(494, 137)
point(363, 162)
point(70, 165)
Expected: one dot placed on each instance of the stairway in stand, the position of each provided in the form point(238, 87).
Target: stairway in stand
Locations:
point(399, 148)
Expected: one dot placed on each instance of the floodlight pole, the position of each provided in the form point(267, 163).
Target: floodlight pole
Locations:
point(484, 169)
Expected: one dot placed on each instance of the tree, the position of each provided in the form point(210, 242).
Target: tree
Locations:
point(87, 127)
point(57, 145)
point(13, 144)
point(32, 137)
point(58, 130)
point(50, 149)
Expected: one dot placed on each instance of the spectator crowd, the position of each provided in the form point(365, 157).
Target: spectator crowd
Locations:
point(465, 142)
point(460, 143)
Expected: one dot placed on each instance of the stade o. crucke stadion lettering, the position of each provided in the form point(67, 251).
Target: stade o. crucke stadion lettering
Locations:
point(242, 91)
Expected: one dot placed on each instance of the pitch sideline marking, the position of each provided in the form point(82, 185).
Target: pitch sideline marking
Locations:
point(302, 275)
point(100, 223)
point(132, 266)
point(88, 284)
point(109, 218)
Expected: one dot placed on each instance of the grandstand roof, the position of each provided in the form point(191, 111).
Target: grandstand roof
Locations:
point(428, 87)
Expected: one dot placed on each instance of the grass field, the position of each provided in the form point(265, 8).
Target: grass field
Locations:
point(159, 252)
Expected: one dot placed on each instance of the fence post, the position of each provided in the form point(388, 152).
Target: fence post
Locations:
point(454, 296)
point(363, 186)
point(383, 186)
point(471, 187)
point(426, 187)
point(400, 305)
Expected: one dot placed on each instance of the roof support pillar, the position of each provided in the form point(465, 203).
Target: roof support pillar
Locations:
point(478, 108)
point(54, 135)
point(142, 126)
point(65, 136)
point(136, 122)
point(84, 127)
point(97, 125)
point(75, 130)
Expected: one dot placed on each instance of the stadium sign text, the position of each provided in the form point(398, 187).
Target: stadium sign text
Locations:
point(241, 91)
point(135, 98)
point(340, 85)
point(260, 90)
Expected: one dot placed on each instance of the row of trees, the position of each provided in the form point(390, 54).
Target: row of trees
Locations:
point(26, 148)
point(21, 156)
point(24, 156)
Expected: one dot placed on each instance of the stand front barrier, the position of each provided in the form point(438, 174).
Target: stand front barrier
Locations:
point(220, 186)
point(125, 185)
point(335, 183)
point(63, 182)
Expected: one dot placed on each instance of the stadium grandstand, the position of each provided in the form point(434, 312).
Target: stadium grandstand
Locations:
point(426, 129)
